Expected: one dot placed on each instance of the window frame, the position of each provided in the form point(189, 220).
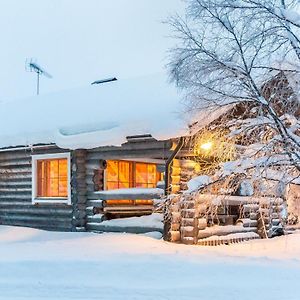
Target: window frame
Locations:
point(40, 200)
point(133, 175)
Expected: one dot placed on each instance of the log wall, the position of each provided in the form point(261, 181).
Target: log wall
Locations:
point(182, 170)
point(16, 206)
point(159, 150)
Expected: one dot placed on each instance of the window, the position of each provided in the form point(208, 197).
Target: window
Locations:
point(127, 174)
point(51, 179)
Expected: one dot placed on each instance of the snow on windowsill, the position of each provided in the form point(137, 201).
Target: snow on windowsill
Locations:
point(130, 191)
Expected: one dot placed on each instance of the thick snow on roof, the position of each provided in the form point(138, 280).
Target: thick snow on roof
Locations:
point(98, 115)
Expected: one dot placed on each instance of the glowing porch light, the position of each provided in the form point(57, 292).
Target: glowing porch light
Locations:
point(206, 146)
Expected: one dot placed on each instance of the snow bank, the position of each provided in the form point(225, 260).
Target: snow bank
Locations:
point(55, 265)
point(98, 115)
point(152, 221)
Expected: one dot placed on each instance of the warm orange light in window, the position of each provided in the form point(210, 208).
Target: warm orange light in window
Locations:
point(126, 174)
point(52, 178)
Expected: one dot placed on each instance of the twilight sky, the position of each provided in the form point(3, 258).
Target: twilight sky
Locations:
point(79, 41)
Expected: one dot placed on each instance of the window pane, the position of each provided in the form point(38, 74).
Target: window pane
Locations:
point(63, 168)
point(112, 170)
point(41, 187)
point(53, 187)
point(152, 174)
point(63, 188)
point(112, 185)
point(141, 173)
point(53, 165)
point(52, 178)
point(124, 171)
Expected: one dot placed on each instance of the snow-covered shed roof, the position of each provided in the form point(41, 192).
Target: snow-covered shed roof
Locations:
point(98, 115)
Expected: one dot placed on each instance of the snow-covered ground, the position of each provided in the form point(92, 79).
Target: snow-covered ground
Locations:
point(48, 265)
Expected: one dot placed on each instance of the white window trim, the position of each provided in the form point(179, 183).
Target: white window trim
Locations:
point(35, 158)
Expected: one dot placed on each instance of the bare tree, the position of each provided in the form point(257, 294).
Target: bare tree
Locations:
point(227, 50)
point(244, 55)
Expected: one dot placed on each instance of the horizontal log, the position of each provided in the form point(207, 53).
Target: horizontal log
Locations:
point(18, 190)
point(16, 163)
point(15, 176)
point(95, 203)
point(127, 207)
point(128, 213)
point(17, 183)
point(18, 204)
point(36, 211)
point(187, 221)
point(12, 196)
point(15, 155)
point(188, 231)
point(247, 222)
point(96, 218)
point(117, 202)
point(21, 170)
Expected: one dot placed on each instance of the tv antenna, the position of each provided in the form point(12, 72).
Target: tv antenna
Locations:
point(32, 66)
point(104, 80)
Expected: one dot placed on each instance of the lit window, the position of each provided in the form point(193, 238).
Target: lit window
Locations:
point(119, 174)
point(51, 177)
point(127, 174)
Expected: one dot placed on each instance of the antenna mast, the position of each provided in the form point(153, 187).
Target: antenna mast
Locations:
point(32, 66)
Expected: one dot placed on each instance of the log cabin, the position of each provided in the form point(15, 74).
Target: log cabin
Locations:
point(67, 156)
point(69, 161)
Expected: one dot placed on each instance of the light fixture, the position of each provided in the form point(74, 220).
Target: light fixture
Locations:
point(206, 146)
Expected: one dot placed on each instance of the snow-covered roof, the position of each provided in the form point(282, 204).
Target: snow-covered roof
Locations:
point(98, 115)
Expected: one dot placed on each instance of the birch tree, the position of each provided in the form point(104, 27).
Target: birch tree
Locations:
point(229, 52)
